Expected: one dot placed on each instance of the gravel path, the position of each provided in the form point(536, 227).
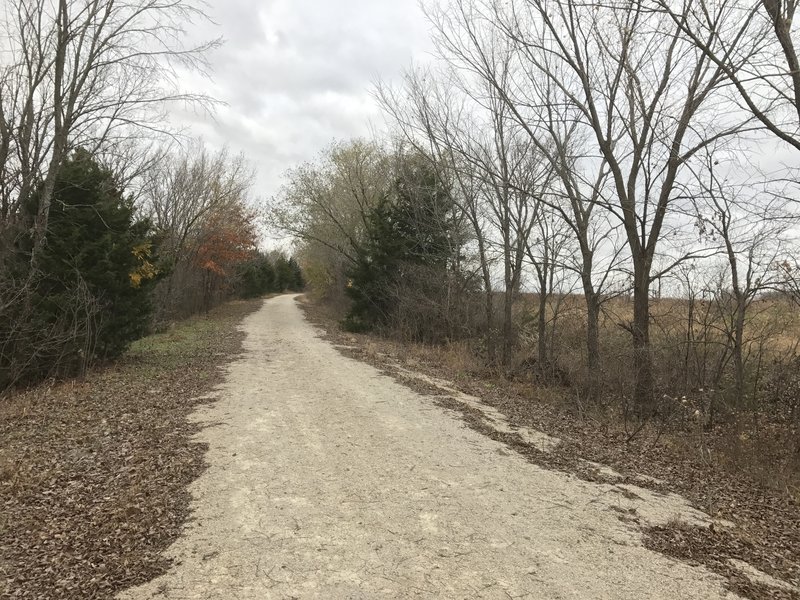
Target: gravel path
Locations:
point(328, 479)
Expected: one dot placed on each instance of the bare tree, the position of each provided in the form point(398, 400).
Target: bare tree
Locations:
point(327, 202)
point(86, 73)
point(500, 172)
point(649, 99)
point(195, 198)
point(471, 39)
point(545, 250)
point(516, 177)
point(752, 43)
point(437, 123)
point(185, 188)
point(751, 228)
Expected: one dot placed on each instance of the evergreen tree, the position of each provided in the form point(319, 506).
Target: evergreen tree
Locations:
point(408, 229)
point(298, 281)
point(94, 236)
point(283, 273)
point(288, 274)
point(256, 277)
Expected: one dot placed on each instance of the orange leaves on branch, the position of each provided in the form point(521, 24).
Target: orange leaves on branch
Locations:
point(228, 238)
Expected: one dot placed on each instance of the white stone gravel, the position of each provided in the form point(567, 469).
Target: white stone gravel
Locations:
point(328, 479)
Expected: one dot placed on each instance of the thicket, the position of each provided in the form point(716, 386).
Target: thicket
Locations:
point(107, 227)
point(113, 267)
point(408, 262)
point(96, 235)
point(268, 273)
point(383, 240)
point(405, 256)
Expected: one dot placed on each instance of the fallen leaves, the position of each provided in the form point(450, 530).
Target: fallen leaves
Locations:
point(93, 474)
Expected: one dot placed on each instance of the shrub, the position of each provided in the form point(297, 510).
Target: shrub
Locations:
point(94, 236)
point(86, 295)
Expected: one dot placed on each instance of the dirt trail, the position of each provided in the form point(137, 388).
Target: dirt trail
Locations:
point(328, 479)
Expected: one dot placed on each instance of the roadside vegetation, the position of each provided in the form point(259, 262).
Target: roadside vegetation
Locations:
point(594, 211)
point(589, 215)
point(126, 250)
point(403, 262)
point(111, 223)
point(712, 469)
point(554, 205)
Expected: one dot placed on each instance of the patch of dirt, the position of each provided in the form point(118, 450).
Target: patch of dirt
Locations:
point(766, 534)
point(93, 473)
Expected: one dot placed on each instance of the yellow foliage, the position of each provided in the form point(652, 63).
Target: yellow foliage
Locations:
point(145, 269)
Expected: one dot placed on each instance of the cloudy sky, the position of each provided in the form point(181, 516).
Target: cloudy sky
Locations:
point(297, 74)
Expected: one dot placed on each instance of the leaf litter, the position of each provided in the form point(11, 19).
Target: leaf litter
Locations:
point(94, 473)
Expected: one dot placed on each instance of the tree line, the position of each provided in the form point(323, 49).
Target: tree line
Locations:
point(112, 224)
point(638, 156)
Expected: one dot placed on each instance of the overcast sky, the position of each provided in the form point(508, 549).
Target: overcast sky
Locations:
point(297, 74)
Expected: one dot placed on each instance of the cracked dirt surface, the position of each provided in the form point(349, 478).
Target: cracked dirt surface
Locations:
point(327, 479)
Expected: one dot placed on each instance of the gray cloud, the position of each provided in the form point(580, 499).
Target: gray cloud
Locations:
point(296, 74)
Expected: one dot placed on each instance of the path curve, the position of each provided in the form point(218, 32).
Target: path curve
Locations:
point(330, 480)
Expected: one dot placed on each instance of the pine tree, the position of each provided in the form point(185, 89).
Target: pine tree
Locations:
point(256, 277)
point(298, 281)
point(408, 229)
point(94, 236)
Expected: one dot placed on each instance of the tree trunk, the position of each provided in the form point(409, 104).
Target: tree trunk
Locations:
point(687, 379)
point(46, 197)
point(508, 327)
point(738, 338)
point(592, 299)
point(592, 333)
point(61, 125)
point(508, 297)
point(489, 308)
point(491, 347)
point(642, 357)
point(542, 328)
